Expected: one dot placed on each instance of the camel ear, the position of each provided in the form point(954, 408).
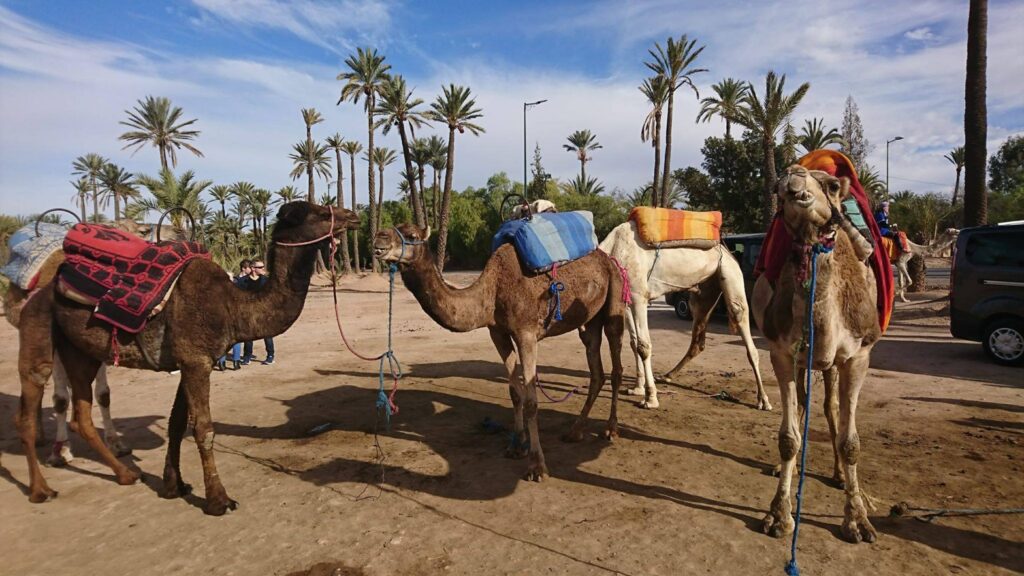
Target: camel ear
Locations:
point(293, 213)
point(844, 188)
point(425, 232)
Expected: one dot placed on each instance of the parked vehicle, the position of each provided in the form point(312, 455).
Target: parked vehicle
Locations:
point(987, 290)
point(745, 247)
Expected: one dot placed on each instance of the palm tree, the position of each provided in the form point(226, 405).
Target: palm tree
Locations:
point(397, 108)
point(337, 143)
point(656, 91)
point(157, 122)
point(221, 193)
point(117, 183)
point(674, 63)
point(814, 136)
point(91, 166)
point(286, 194)
point(975, 116)
point(438, 151)
point(170, 192)
point(581, 187)
point(382, 158)
point(581, 142)
point(871, 182)
point(420, 154)
point(310, 116)
point(725, 103)
point(766, 117)
point(457, 109)
point(309, 157)
point(351, 147)
point(956, 158)
point(82, 188)
point(365, 79)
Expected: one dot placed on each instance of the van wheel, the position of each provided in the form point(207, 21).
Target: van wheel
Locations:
point(683, 309)
point(1004, 341)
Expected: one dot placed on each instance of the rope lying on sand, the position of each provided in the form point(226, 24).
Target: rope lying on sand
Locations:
point(905, 510)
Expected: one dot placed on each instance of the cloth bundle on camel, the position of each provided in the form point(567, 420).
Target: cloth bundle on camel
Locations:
point(549, 239)
point(778, 245)
point(670, 228)
point(127, 278)
point(33, 253)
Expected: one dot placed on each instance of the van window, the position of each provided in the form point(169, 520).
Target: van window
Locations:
point(995, 249)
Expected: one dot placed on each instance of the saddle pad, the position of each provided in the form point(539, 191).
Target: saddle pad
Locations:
point(669, 228)
point(549, 238)
point(30, 253)
point(128, 276)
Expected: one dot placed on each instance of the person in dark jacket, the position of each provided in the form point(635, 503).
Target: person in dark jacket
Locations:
point(256, 279)
point(245, 269)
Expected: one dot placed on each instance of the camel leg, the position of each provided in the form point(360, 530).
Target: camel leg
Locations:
point(81, 371)
point(110, 434)
point(831, 377)
point(644, 345)
point(739, 316)
point(61, 454)
point(173, 484)
point(779, 520)
point(503, 343)
point(634, 344)
point(35, 364)
point(701, 306)
point(591, 338)
point(613, 329)
point(851, 377)
point(196, 380)
point(537, 470)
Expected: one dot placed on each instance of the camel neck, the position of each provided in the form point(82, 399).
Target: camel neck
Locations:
point(457, 309)
point(273, 307)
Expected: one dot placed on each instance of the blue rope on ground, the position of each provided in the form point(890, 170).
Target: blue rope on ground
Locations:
point(791, 567)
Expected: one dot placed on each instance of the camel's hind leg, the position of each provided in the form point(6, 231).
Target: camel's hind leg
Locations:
point(35, 364)
point(61, 454)
point(613, 329)
point(634, 345)
point(851, 377)
point(81, 371)
point(702, 304)
point(110, 434)
point(174, 486)
point(503, 343)
point(526, 343)
point(591, 337)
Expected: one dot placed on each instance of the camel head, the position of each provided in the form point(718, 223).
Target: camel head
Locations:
point(303, 221)
point(402, 244)
point(810, 201)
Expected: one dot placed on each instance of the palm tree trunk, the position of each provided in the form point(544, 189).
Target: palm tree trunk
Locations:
point(423, 197)
point(163, 157)
point(414, 197)
point(437, 198)
point(310, 193)
point(768, 203)
point(117, 205)
point(668, 149)
point(345, 264)
point(81, 205)
point(355, 233)
point(371, 177)
point(728, 129)
point(583, 170)
point(380, 200)
point(655, 188)
point(446, 201)
point(95, 201)
point(956, 187)
point(975, 116)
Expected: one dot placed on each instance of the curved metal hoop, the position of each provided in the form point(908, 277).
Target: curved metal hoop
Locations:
point(509, 203)
point(43, 215)
point(191, 222)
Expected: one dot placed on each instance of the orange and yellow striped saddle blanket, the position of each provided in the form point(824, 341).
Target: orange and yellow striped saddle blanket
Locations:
point(670, 228)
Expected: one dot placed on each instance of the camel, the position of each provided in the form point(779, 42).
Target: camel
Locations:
point(654, 273)
point(203, 316)
point(942, 245)
point(514, 306)
point(846, 327)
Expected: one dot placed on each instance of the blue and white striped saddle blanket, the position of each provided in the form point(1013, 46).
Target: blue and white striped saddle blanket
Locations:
point(549, 238)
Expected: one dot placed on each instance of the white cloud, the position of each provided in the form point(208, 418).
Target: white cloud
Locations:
point(920, 34)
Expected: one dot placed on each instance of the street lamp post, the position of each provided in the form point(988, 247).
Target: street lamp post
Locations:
point(526, 105)
point(887, 142)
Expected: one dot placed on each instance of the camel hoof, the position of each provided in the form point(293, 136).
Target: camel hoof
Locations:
point(119, 448)
point(649, 404)
point(838, 482)
point(776, 527)
point(638, 391)
point(127, 478)
point(177, 490)
point(610, 434)
point(219, 507)
point(667, 378)
point(857, 532)
point(59, 460)
point(536, 474)
point(573, 436)
point(776, 470)
point(764, 404)
point(40, 496)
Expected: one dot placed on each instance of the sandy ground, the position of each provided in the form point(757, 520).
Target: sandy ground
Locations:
point(683, 491)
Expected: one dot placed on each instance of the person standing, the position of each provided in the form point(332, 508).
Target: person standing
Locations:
point(244, 271)
point(256, 280)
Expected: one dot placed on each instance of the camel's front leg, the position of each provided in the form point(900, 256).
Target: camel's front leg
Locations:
point(35, 364)
point(61, 454)
point(779, 520)
point(527, 345)
point(634, 344)
point(110, 434)
point(645, 349)
point(831, 377)
point(196, 380)
point(856, 525)
point(591, 337)
point(503, 343)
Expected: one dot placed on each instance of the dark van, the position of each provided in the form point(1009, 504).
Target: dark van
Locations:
point(745, 247)
point(987, 290)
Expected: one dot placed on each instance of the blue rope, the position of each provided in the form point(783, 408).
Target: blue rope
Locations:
point(556, 289)
point(791, 567)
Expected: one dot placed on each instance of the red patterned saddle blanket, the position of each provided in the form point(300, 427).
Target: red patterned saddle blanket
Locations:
point(126, 276)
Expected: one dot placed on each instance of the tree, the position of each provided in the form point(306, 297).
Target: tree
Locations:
point(854, 144)
point(538, 176)
point(309, 157)
point(397, 107)
point(975, 116)
point(765, 117)
point(581, 142)
point(82, 189)
point(310, 116)
point(157, 122)
point(733, 168)
point(118, 184)
point(871, 182)
point(789, 143)
point(956, 158)
point(1006, 168)
point(656, 91)
point(588, 187)
point(420, 155)
point(286, 194)
point(382, 158)
point(351, 147)
point(725, 103)
point(221, 193)
point(91, 166)
point(438, 159)
point(815, 136)
point(365, 80)
point(337, 143)
point(456, 108)
point(170, 192)
point(674, 63)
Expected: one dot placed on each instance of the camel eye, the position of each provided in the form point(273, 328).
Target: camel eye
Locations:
point(833, 187)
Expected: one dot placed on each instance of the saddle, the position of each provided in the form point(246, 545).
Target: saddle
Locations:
point(670, 228)
point(549, 239)
point(127, 278)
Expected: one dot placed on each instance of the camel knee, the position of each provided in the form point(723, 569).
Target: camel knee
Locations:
point(38, 375)
point(103, 399)
point(60, 404)
point(849, 448)
point(643, 348)
point(788, 446)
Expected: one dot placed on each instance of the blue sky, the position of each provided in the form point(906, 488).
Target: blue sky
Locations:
point(68, 70)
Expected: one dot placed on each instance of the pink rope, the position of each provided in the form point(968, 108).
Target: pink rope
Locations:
point(627, 290)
